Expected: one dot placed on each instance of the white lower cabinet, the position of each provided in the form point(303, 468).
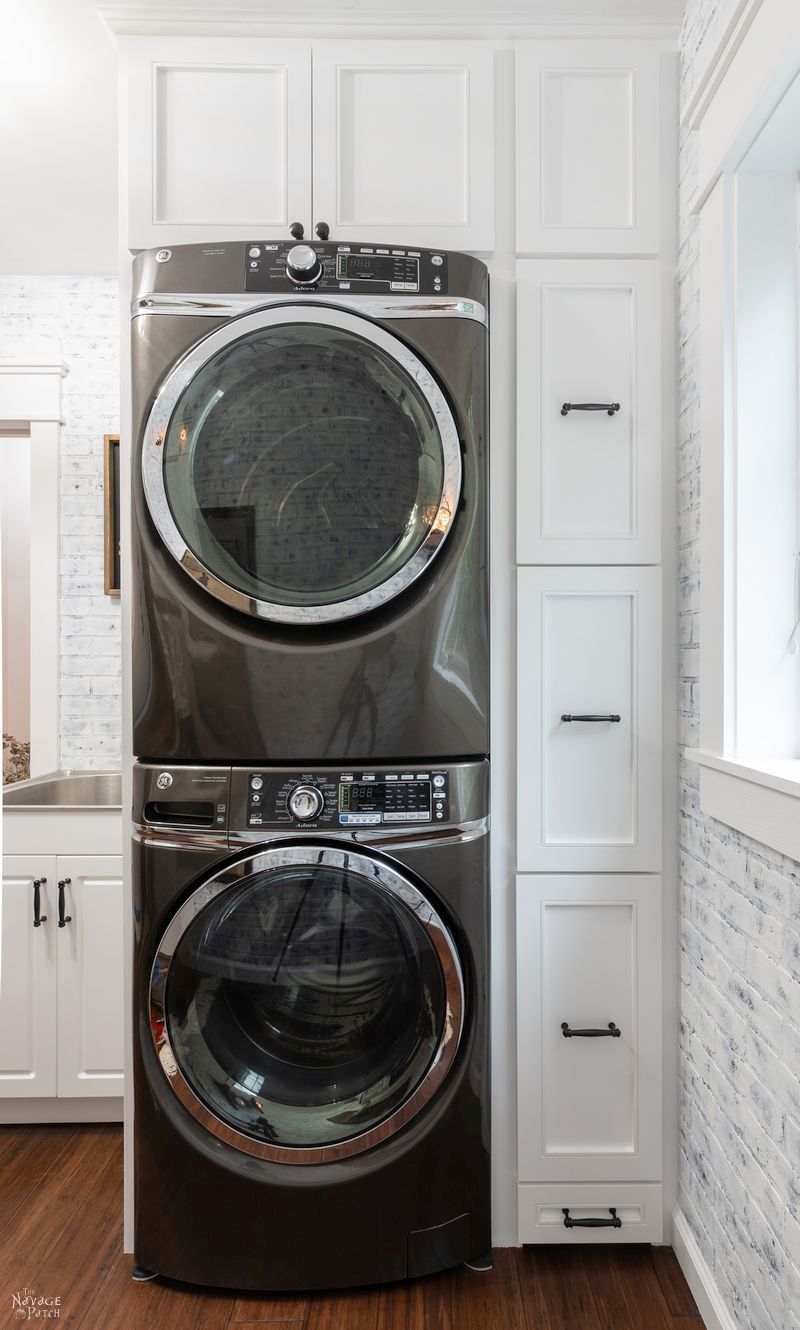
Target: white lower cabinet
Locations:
point(557, 1212)
point(61, 987)
point(589, 1050)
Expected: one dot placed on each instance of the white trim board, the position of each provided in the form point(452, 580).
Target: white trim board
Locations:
point(710, 1303)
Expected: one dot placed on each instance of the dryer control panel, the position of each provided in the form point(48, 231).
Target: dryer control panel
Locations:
point(277, 266)
point(390, 797)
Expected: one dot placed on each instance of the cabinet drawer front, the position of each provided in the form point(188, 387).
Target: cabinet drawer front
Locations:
point(541, 1213)
point(404, 142)
point(219, 138)
point(589, 789)
point(589, 959)
point(588, 482)
point(588, 147)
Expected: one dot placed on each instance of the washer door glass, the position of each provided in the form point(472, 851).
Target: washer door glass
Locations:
point(305, 466)
point(306, 1005)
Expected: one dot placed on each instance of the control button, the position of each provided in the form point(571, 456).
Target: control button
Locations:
point(437, 260)
point(254, 251)
point(359, 819)
point(303, 265)
point(256, 783)
point(440, 815)
point(381, 251)
point(255, 798)
point(438, 781)
point(305, 802)
point(397, 286)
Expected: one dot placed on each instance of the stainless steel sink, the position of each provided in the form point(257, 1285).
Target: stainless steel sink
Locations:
point(67, 789)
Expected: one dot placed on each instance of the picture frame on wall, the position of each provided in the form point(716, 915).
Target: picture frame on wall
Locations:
point(111, 527)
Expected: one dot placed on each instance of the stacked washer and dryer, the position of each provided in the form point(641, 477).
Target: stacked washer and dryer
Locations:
point(310, 704)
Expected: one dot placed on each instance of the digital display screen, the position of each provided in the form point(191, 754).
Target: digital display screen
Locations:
point(395, 801)
point(378, 268)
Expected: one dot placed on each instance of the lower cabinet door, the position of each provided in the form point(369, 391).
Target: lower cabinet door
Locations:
point(613, 1212)
point(27, 978)
point(90, 976)
point(589, 1028)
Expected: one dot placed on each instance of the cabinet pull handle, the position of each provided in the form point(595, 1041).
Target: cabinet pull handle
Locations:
point(63, 918)
point(613, 719)
point(610, 408)
point(296, 230)
point(613, 1222)
point(322, 230)
point(38, 918)
point(611, 1031)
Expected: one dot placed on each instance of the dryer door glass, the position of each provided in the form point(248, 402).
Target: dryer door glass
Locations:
point(306, 1005)
point(310, 468)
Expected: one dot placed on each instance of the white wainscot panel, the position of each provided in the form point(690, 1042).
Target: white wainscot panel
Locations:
point(589, 959)
point(220, 138)
point(588, 486)
point(404, 142)
point(589, 790)
point(588, 147)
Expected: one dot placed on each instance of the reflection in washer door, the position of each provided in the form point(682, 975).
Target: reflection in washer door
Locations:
point(306, 1005)
point(305, 465)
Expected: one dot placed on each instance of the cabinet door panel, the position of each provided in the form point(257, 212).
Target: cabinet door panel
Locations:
point(404, 142)
point(588, 482)
point(588, 147)
point(27, 980)
point(90, 978)
point(639, 1207)
point(589, 955)
point(219, 138)
point(589, 790)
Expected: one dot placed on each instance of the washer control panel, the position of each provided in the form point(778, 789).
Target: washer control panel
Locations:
point(347, 799)
point(323, 266)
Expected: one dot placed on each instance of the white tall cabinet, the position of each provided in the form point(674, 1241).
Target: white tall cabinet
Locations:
point(590, 429)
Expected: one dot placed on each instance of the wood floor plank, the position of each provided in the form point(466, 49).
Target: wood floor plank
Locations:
point(606, 1277)
point(356, 1310)
point(119, 1304)
point(252, 1307)
point(677, 1293)
point(55, 1206)
point(646, 1303)
point(419, 1304)
point(274, 1325)
point(485, 1298)
point(556, 1292)
point(32, 1158)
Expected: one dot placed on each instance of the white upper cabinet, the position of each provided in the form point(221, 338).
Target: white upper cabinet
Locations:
point(219, 138)
point(588, 144)
point(589, 1028)
point(588, 480)
point(404, 142)
point(589, 719)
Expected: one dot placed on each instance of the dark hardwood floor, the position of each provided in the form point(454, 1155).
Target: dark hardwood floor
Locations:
point(61, 1236)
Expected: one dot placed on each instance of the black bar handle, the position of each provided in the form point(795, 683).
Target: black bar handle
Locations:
point(63, 918)
point(613, 1222)
point(611, 1031)
point(610, 408)
point(612, 719)
point(38, 917)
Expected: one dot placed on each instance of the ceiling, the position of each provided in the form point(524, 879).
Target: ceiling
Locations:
point(58, 107)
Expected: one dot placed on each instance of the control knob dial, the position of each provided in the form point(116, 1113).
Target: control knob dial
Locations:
point(303, 265)
point(305, 802)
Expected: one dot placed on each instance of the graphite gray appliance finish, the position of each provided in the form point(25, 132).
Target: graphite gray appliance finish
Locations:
point(311, 1056)
point(291, 604)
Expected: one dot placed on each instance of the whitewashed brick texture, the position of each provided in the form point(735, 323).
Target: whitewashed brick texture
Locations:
point(76, 320)
point(740, 925)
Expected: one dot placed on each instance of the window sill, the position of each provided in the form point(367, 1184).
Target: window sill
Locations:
point(758, 797)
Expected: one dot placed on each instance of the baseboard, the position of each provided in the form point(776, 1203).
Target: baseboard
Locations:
point(19, 1112)
point(710, 1302)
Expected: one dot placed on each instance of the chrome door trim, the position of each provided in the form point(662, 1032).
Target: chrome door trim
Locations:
point(178, 380)
point(374, 306)
point(387, 879)
point(175, 838)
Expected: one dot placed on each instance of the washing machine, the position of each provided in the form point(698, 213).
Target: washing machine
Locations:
point(311, 1053)
point(310, 507)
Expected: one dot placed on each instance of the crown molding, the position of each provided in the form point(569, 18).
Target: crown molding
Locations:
point(258, 20)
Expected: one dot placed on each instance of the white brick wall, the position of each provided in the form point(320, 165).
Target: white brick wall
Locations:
point(76, 320)
point(739, 1178)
